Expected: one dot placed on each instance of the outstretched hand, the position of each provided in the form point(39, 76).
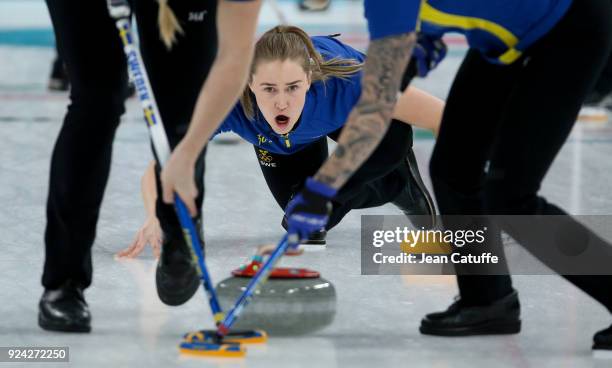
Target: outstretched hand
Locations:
point(150, 233)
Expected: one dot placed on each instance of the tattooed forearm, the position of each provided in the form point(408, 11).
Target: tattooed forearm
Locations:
point(368, 122)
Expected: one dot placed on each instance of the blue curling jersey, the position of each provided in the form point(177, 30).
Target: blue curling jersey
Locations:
point(500, 29)
point(326, 109)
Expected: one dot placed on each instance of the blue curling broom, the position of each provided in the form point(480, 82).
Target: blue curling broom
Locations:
point(120, 11)
point(208, 339)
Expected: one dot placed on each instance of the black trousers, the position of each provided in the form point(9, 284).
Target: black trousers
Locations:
point(89, 44)
point(377, 182)
point(516, 118)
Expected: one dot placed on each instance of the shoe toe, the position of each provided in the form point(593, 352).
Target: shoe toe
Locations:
point(603, 339)
point(64, 310)
point(176, 287)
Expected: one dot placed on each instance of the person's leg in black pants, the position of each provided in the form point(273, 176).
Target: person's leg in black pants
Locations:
point(177, 76)
point(466, 135)
point(80, 164)
point(286, 175)
point(540, 114)
point(537, 114)
point(386, 176)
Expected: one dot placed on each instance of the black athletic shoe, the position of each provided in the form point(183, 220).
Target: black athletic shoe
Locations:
point(415, 200)
point(498, 318)
point(316, 238)
point(603, 340)
point(177, 277)
point(64, 309)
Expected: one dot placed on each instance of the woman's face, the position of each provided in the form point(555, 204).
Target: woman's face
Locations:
point(280, 90)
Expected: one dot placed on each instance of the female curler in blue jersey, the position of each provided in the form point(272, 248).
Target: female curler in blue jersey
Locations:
point(300, 92)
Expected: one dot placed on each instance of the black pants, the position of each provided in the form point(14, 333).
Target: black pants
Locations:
point(377, 182)
point(516, 118)
point(89, 44)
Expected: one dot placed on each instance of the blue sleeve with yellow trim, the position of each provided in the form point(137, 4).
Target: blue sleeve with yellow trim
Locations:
point(391, 17)
point(500, 29)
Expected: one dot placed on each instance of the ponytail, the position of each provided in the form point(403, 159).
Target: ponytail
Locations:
point(169, 25)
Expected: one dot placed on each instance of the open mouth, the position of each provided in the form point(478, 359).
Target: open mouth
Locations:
point(281, 120)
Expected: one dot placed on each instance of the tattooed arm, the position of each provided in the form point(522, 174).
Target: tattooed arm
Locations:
point(369, 120)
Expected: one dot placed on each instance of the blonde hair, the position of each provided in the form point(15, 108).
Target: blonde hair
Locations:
point(292, 43)
point(169, 25)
